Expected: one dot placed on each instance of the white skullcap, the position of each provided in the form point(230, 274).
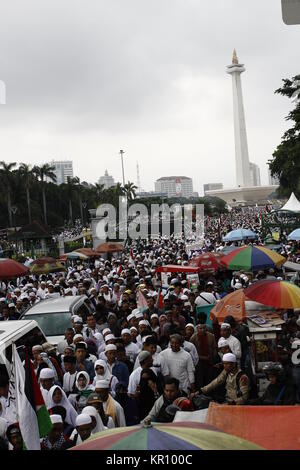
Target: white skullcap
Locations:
point(225, 325)
point(238, 285)
point(77, 336)
point(102, 384)
point(135, 311)
point(229, 357)
point(47, 373)
point(125, 331)
point(110, 347)
point(144, 322)
point(132, 315)
point(106, 330)
point(184, 297)
point(139, 315)
point(133, 328)
point(56, 419)
point(222, 343)
point(78, 319)
point(190, 324)
point(145, 337)
point(11, 305)
point(154, 315)
point(3, 299)
point(83, 419)
point(108, 337)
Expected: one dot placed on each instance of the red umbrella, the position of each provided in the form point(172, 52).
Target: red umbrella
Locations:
point(208, 261)
point(10, 269)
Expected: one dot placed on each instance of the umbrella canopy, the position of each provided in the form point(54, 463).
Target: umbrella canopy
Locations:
point(277, 294)
point(239, 234)
point(171, 436)
point(46, 265)
point(295, 235)
point(232, 304)
point(176, 268)
point(88, 252)
point(252, 258)
point(76, 255)
point(109, 247)
point(10, 269)
point(207, 261)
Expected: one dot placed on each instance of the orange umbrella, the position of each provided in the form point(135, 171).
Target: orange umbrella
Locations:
point(232, 304)
point(88, 252)
point(109, 247)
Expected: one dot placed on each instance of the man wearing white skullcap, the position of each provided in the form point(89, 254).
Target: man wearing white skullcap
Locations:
point(82, 431)
point(116, 368)
point(236, 382)
point(110, 406)
point(46, 381)
point(234, 343)
point(55, 440)
point(131, 348)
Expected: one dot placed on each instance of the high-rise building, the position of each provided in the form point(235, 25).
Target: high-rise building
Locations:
point(63, 170)
point(273, 179)
point(254, 174)
point(107, 180)
point(212, 187)
point(175, 186)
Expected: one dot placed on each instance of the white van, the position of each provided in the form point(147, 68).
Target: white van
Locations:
point(21, 332)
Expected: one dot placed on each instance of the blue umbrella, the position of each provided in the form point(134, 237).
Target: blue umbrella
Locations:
point(295, 235)
point(239, 234)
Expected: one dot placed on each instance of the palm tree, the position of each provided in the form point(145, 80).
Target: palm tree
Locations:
point(71, 185)
point(98, 189)
point(42, 172)
point(129, 189)
point(6, 173)
point(27, 175)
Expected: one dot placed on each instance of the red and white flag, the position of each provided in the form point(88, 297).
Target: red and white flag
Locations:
point(131, 258)
point(141, 300)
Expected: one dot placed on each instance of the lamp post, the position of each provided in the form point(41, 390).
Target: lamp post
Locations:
point(121, 154)
point(14, 211)
point(84, 204)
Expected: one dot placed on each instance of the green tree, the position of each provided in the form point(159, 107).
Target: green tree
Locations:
point(6, 172)
point(286, 158)
point(27, 176)
point(43, 172)
point(129, 190)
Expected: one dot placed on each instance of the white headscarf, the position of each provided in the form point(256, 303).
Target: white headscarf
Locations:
point(87, 377)
point(106, 375)
point(71, 413)
point(91, 411)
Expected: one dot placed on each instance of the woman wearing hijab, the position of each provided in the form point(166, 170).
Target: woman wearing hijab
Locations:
point(102, 373)
point(96, 419)
point(57, 397)
point(149, 392)
point(82, 391)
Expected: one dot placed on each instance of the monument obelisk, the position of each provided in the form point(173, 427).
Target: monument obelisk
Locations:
point(240, 134)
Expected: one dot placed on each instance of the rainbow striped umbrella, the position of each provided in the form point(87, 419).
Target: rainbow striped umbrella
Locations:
point(252, 258)
point(277, 294)
point(169, 436)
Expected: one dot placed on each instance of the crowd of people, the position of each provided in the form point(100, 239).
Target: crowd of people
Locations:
point(143, 353)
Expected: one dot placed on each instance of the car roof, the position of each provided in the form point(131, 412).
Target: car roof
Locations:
point(12, 326)
point(55, 305)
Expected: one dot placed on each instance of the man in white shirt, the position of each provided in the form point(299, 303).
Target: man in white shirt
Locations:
point(146, 362)
point(233, 342)
point(47, 381)
point(207, 297)
point(180, 364)
point(111, 407)
point(42, 291)
point(132, 349)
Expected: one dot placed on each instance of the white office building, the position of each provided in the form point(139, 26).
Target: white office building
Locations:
point(212, 187)
point(175, 186)
point(254, 174)
point(63, 170)
point(107, 180)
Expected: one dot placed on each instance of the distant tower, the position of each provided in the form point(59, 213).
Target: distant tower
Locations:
point(243, 177)
point(138, 181)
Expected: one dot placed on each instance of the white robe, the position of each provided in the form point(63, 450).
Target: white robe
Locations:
point(181, 367)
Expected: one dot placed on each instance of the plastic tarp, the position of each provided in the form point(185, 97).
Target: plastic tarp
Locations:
point(272, 427)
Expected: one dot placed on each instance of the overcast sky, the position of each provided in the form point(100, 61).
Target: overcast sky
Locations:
point(87, 78)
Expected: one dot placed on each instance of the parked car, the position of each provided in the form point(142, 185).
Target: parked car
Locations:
point(54, 315)
point(21, 332)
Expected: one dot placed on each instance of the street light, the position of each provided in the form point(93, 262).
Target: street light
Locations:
point(122, 153)
point(13, 210)
point(84, 205)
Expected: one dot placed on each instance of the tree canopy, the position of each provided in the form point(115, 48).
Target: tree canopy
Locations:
point(286, 158)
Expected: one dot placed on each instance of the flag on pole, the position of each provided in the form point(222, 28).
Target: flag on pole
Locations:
point(141, 300)
point(131, 259)
point(33, 416)
point(120, 269)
